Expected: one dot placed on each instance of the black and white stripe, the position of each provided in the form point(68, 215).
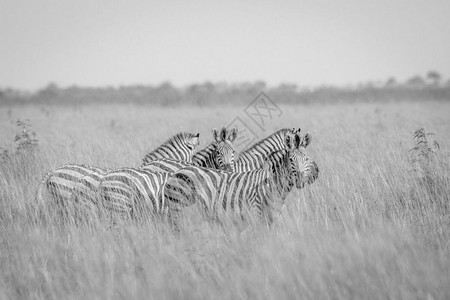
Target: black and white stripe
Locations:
point(165, 165)
point(130, 192)
point(216, 192)
point(254, 157)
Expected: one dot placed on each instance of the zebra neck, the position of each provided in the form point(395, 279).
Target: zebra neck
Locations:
point(150, 157)
point(205, 157)
point(158, 155)
point(264, 148)
point(174, 148)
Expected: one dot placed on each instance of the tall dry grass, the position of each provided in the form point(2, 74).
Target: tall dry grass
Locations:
point(369, 227)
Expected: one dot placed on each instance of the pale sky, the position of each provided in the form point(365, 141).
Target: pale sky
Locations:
point(112, 42)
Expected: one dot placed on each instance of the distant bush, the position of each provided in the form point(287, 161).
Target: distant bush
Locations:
point(431, 170)
point(208, 93)
point(25, 141)
point(424, 151)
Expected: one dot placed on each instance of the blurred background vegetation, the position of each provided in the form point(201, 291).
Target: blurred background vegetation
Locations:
point(431, 86)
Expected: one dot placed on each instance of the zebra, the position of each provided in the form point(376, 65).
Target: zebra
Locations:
point(236, 193)
point(254, 157)
point(70, 182)
point(219, 154)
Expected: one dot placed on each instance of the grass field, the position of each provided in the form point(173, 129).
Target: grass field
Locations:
point(369, 227)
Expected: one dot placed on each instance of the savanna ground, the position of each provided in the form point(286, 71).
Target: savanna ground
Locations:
point(369, 227)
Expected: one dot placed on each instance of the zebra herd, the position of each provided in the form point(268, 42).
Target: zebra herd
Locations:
point(175, 176)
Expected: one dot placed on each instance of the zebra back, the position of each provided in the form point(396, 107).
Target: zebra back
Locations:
point(179, 147)
point(61, 181)
point(219, 154)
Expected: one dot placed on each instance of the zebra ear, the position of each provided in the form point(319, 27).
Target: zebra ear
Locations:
point(215, 134)
point(294, 131)
point(196, 139)
point(288, 141)
point(233, 134)
point(297, 140)
point(306, 140)
point(223, 134)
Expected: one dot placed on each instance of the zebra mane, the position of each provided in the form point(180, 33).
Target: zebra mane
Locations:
point(180, 136)
point(275, 156)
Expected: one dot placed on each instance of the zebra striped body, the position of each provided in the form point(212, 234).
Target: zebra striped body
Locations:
point(254, 157)
point(216, 192)
point(253, 191)
point(220, 153)
point(78, 183)
point(132, 192)
point(121, 190)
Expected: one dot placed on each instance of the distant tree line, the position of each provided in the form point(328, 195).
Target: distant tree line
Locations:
point(430, 87)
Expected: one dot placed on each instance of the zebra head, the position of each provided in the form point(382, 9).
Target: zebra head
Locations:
point(301, 168)
point(181, 146)
point(223, 152)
